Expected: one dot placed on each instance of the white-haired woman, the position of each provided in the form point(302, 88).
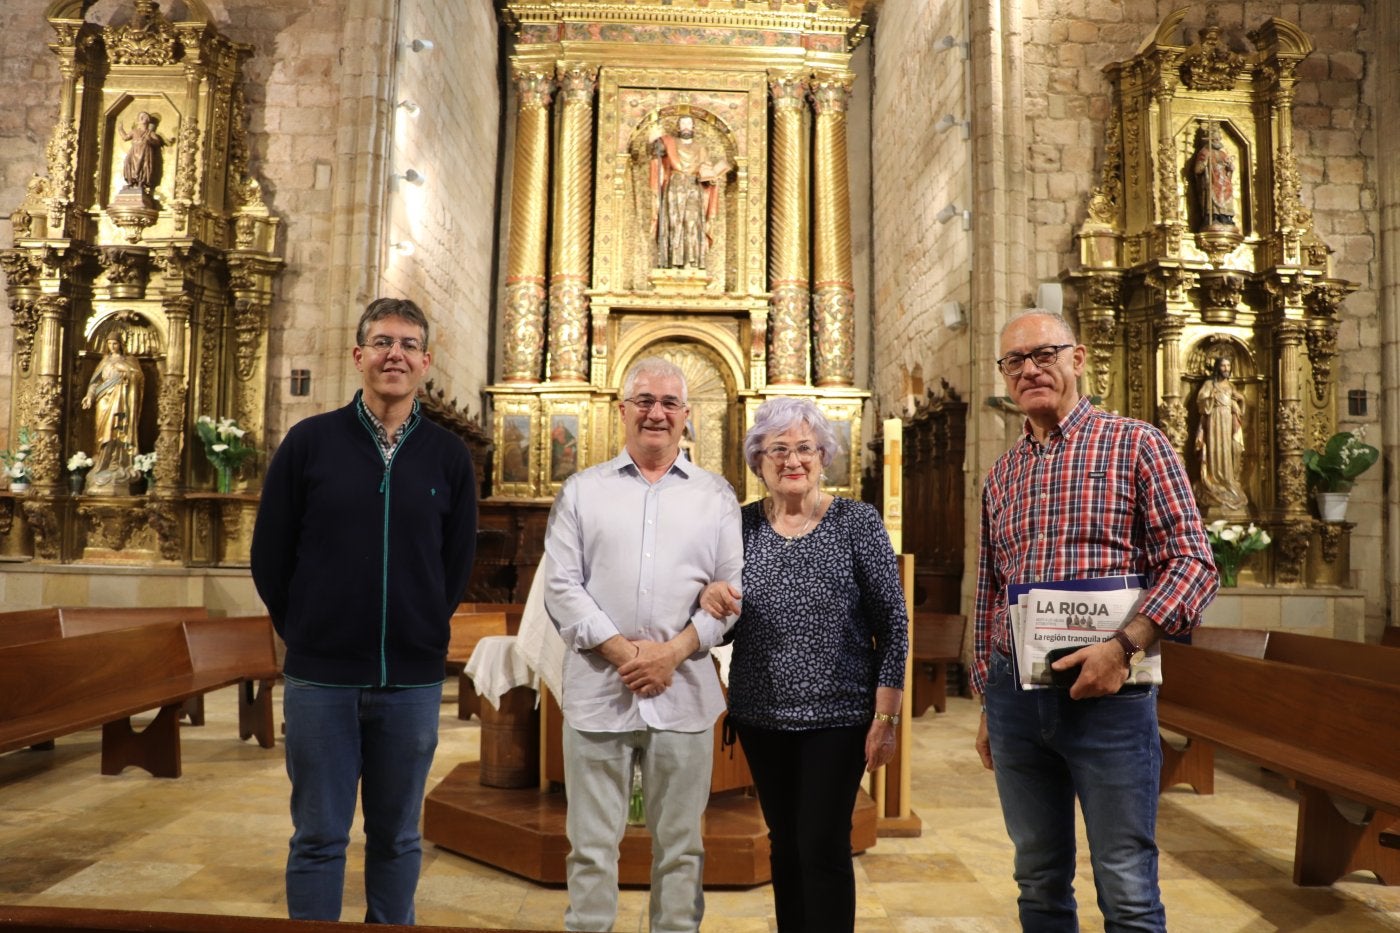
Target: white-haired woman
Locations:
point(817, 675)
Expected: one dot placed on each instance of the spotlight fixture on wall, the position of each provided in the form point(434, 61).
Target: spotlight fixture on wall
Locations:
point(421, 45)
point(949, 211)
point(948, 42)
point(409, 107)
point(948, 121)
point(403, 247)
point(411, 175)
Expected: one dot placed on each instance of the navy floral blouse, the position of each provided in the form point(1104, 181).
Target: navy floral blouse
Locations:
point(823, 622)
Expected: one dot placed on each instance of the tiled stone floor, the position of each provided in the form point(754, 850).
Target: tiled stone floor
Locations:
point(214, 841)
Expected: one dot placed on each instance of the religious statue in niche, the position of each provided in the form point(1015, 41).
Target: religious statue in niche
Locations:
point(142, 165)
point(114, 395)
point(686, 181)
point(1213, 169)
point(1220, 440)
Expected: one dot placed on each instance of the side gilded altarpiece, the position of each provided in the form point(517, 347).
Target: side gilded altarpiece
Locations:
point(140, 282)
point(679, 187)
point(1205, 297)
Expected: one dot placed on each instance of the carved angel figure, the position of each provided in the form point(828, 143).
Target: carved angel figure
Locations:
point(141, 167)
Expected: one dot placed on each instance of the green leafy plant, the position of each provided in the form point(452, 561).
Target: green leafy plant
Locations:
point(17, 461)
point(1345, 457)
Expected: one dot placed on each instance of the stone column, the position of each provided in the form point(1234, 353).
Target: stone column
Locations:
point(789, 321)
point(45, 411)
point(174, 394)
point(834, 304)
point(523, 330)
point(573, 208)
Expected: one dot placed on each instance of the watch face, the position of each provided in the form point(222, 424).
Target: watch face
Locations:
point(1137, 657)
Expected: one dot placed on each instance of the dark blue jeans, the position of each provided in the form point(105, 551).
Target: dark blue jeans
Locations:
point(381, 742)
point(1047, 750)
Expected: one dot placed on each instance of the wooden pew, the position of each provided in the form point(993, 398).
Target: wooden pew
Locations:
point(1372, 662)
point(24, 625)
point(1331, 733)
point(513, 613)
point(64, 685)
point(938, 638)
point(89, 920)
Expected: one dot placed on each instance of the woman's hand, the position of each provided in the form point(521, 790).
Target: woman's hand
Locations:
point(879, 745)
point(720, 600)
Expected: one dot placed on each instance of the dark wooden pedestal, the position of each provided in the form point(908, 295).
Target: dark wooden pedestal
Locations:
point(522, 831)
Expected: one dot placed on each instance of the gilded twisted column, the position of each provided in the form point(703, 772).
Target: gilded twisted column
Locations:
point(1291, 492)
point(568, 283)
point(789, 321)
point(529, 207)
point(1171, 411)
point(834, 303)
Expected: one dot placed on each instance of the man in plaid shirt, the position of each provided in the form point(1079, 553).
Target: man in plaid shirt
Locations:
point(1082, 494)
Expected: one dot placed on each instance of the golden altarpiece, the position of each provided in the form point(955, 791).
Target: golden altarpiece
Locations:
point(1204, 296)
point(139, 281)
point(679, 187)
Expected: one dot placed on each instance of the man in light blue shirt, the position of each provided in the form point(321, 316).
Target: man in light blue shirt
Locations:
point(631, 544)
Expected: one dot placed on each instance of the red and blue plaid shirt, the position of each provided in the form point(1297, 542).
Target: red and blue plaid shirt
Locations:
point(1105, 495)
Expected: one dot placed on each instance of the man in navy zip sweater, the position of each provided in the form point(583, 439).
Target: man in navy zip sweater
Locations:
point(362, 549)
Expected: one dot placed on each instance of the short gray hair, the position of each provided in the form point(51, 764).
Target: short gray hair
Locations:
point(653, 366)
point(1055, 316)
point(780, 414)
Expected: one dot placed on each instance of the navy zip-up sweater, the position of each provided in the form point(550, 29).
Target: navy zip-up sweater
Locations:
point(361, 563)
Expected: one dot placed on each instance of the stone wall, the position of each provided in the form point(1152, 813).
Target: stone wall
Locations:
point(919, 168)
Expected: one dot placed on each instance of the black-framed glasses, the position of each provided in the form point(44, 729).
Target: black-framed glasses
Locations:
point(383, 344)
point(779, 453)
point(669, 404)
point(1012, 363)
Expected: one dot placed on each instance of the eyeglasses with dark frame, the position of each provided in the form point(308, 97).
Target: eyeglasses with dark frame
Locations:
point(1012, 363)
point(670, 404)
point(383, 344)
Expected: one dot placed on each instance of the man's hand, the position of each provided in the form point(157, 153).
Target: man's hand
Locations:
point(984, 742)
point(1102, 669)
point(720, 600)
point(649, 672)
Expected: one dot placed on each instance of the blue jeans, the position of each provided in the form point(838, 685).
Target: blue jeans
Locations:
point(1048, 749)
point(381, 742)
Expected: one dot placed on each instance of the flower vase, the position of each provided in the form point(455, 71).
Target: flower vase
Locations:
point(19, 487)
point(1332, 506)
point(140, 485)
point(225, 480)
point(77, 479)
point(1229, 568)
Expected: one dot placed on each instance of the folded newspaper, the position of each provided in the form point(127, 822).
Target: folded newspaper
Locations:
point(1072, 614)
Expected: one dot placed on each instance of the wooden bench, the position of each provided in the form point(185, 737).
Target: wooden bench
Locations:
point(1358, 659)
point(25, 625)
point(1330, 733)
point(90, 920)
point(938, 638)
point(64, 685)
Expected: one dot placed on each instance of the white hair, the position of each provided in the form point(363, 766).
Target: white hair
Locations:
point(781, 414)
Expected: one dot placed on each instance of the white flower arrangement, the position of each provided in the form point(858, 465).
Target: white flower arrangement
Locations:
point(144, 463)
point(223, 442)
point(1231, 544)
point(79, 462)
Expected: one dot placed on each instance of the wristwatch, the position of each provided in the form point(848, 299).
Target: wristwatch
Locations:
point(1132, 652)
point(886, 717)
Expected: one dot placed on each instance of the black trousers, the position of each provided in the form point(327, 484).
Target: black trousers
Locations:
point(807, 784)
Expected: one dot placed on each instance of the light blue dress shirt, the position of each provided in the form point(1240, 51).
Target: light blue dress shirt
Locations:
point(628, 557)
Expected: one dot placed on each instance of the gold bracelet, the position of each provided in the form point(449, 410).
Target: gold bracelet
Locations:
point(886, 717)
